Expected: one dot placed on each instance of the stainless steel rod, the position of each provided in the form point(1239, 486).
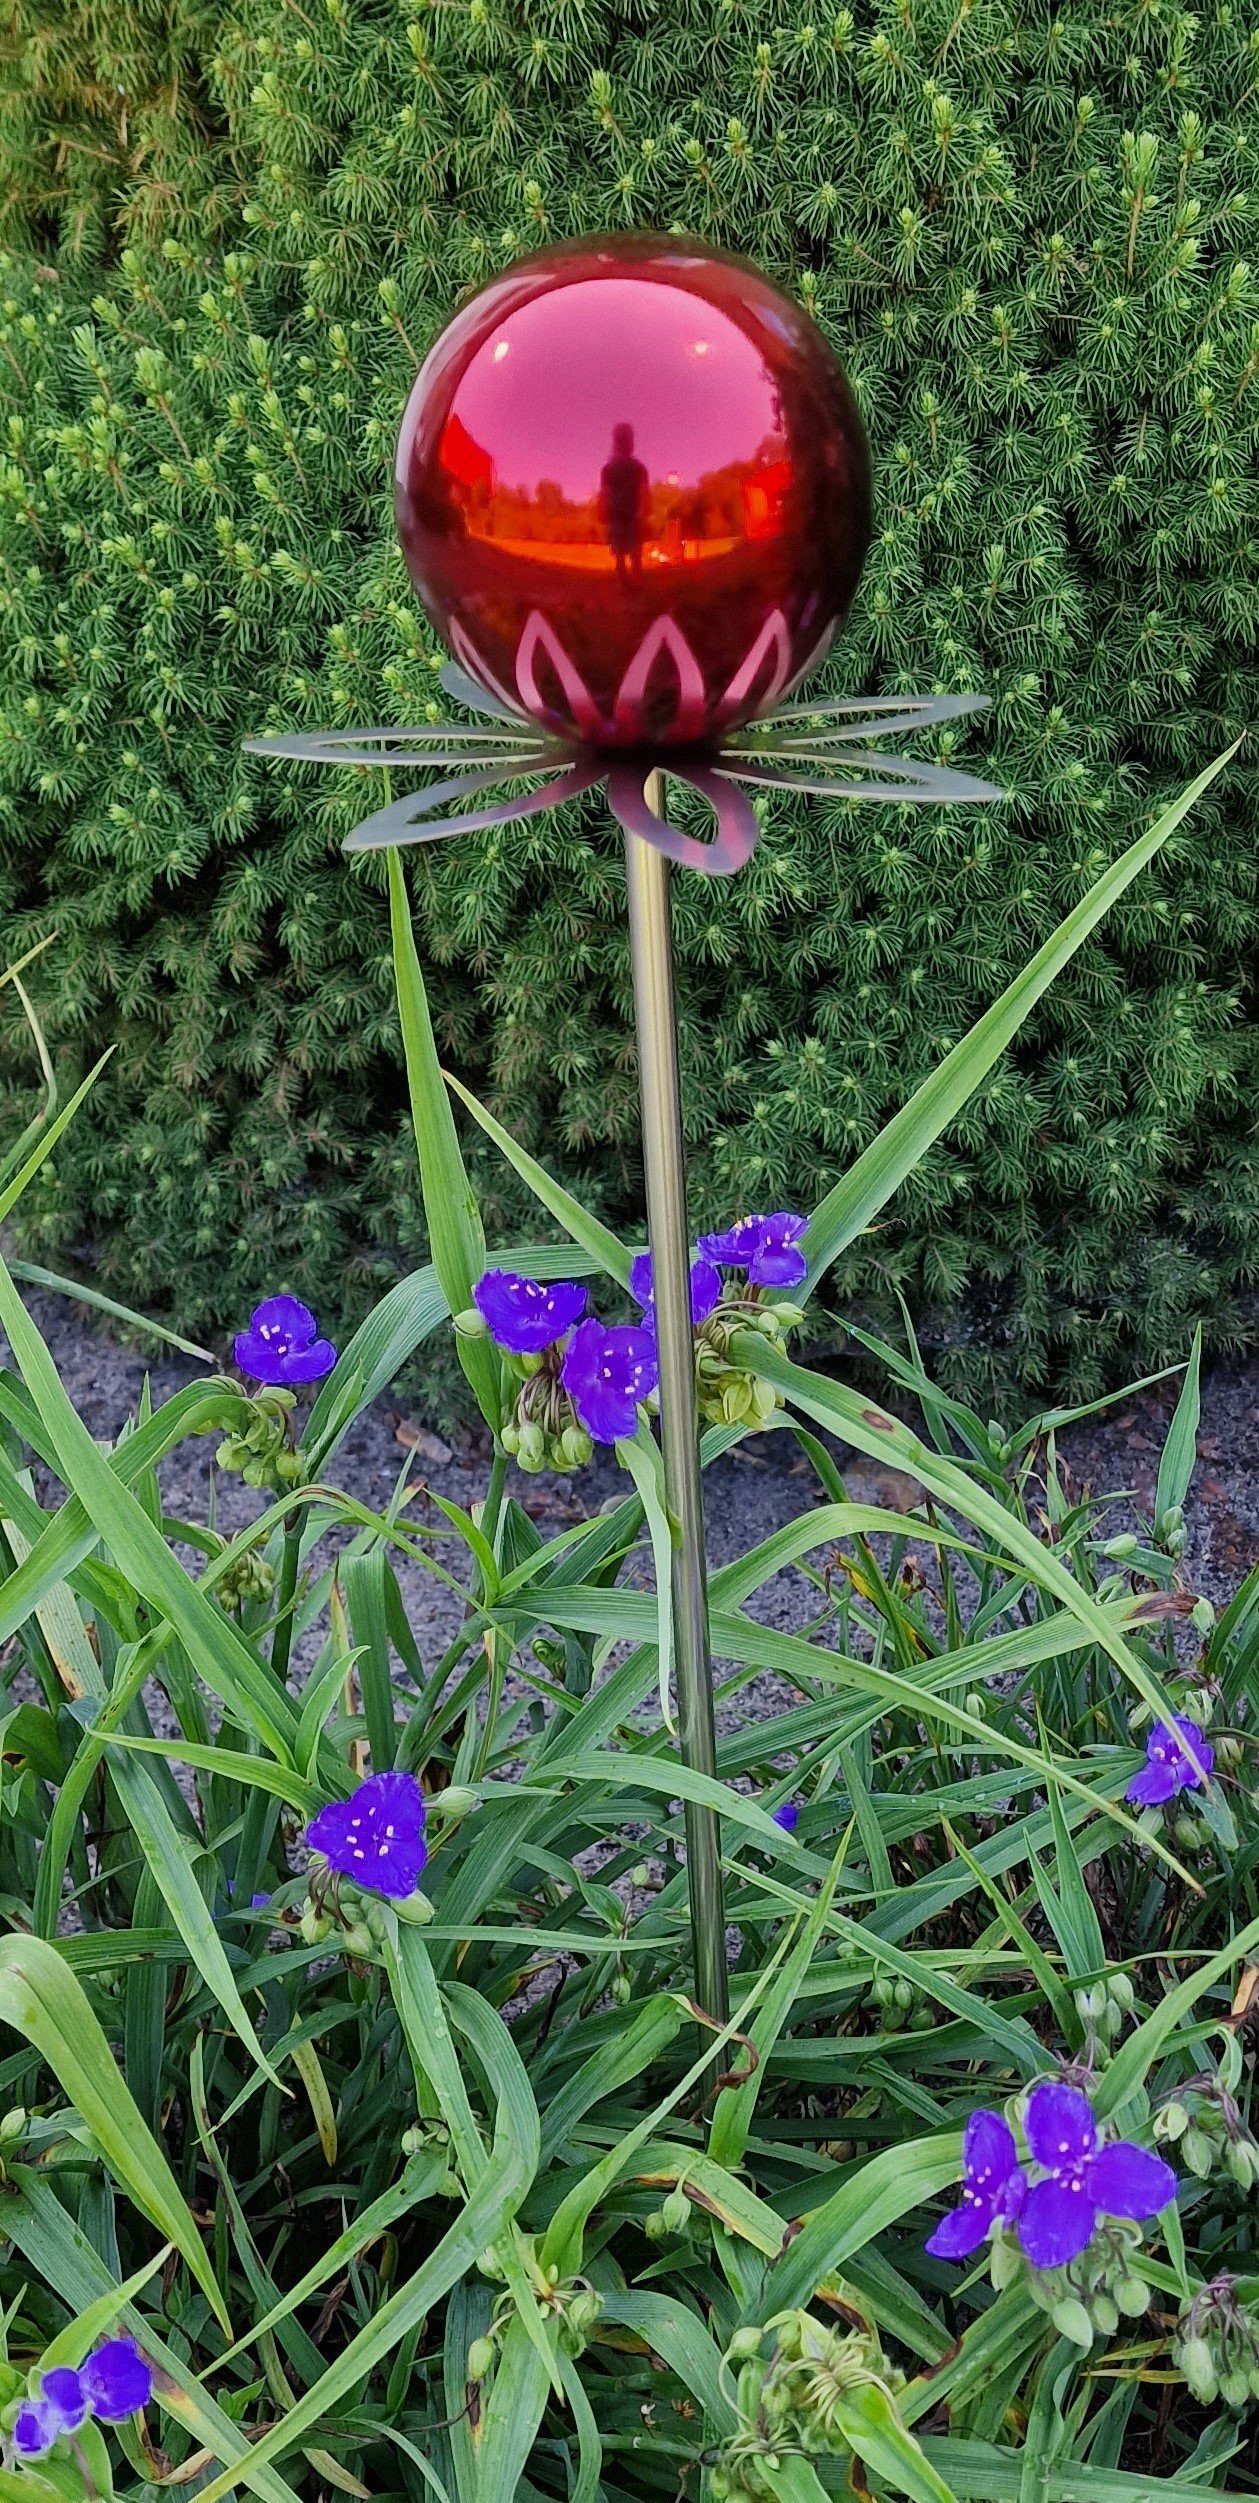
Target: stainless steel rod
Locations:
point(647, 874)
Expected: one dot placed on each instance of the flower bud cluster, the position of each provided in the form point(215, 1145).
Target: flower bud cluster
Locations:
point(898, 2006)
point(570, 2304)
point(431, 2137)
point(262, 1450)
point(1106, 2007)
point(1217, 2347)
point(790, 2399)
point(1206, 2128)
point(1086, 2301)
point(728, 1393)
point(250, 1577)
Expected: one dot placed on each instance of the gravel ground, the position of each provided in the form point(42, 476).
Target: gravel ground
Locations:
point(750, 1493)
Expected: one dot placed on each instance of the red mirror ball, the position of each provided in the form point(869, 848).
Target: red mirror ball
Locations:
point(633, 490)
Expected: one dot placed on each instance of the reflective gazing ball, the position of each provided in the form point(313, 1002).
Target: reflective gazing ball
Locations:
point(633, 491)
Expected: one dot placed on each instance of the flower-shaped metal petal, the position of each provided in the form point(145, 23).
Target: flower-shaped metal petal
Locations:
point(820, 747)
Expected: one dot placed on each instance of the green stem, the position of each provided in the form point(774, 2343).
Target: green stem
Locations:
point(289, 1560)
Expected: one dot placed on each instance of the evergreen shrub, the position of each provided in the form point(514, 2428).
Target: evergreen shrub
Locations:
point(232, 235)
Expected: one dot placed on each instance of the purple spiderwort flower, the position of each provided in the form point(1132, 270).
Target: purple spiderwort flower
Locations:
point(523, 1316)
point(1083, 2180)
point(1173, 1762)
point(788, 1816)
point(993, 2188)
point(62, 2392)
point(705, 1289)
point(767, 1247)
point(35, 2429)
point(281, 1347)
point(117, 2379)
point(377, 1835)
point(606, 1372)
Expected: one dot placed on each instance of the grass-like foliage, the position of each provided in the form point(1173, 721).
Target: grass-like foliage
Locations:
point(356, 2113)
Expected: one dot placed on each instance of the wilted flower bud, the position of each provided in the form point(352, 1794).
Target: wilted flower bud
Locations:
point(744, 2345)
point(1172, 2122)
point(1198, 2366)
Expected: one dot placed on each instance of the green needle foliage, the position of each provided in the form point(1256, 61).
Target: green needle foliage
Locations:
point(1032, 238)
point(445, 2193)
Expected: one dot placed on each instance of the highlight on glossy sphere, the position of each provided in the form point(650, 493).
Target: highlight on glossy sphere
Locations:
point(633, 491)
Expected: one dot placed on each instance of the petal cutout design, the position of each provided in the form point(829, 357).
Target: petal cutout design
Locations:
point(467, 688)
point(914, 779)
point(399, 823)
point(737, 830)
point(921, 709)
point(631, 695)
point(436, 743)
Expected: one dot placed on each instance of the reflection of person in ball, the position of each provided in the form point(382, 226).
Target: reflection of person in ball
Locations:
point(623, 492)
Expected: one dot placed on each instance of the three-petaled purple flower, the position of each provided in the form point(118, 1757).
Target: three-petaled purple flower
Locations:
point(767, 1247)
point(1174, 1761)
point(377, 1835)
point(606, 1372)
point(788, 1816)
point(524, 1316)
point(1080, 2180)
point(113, 2384)
point(281, 1346)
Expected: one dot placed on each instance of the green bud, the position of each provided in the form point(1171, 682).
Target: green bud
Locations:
point(531, 1450)
point(576, 1446)
point(654, 2225)
point(357, 1939)
point(1202, 1617)
point(469, 1324)
point(1122, 1992)
point(1004, 2263)
point(583, 2312)
point(1105, 2314)
point(1171, 2123)
point(450, 2186)
point(736, 1399)
point(1132, 2296)
point(1237, 2162)
point(789, 1316)
point(480, 2358)
point(765, 1399)
point(676, 2212)
point(1072, 2321)
point(1198, 2152)
point(414, 2139)
point(640, 1875)
point(621, 1989)
point(509, 1436)
point(1235, 2388)
point(744, 2345)
point(1198, 2366)
point(905, 1995)
point(415, 1909)
point(314, 1925)
point(454, 1803)
point(12, 2124)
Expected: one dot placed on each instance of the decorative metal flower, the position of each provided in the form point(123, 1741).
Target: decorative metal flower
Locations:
point(822, 746)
